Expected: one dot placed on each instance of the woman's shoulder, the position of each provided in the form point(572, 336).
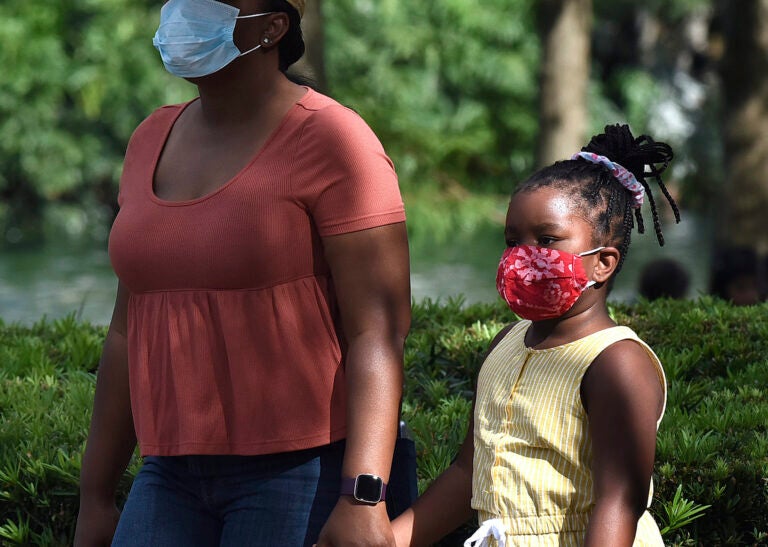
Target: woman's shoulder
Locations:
point(167, 110)
point(314, 101)
point(160, 118)
point(327, 118)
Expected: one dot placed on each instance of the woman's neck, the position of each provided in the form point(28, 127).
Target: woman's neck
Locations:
point(243, 94)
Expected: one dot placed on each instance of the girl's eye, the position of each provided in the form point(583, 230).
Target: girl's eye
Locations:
point(512, 243)
point(545, 241)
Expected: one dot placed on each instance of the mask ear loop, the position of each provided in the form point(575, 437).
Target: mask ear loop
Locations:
point(255, 15)
point(587, 253)
point(248, 17)
point(592, 251)
point(250, 50)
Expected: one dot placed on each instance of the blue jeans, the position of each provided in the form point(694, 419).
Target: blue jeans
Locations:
point(272, 500)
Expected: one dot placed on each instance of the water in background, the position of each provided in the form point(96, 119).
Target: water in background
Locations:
point(59, 278)
point(56, 279)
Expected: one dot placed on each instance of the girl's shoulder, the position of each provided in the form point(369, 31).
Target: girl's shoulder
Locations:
point(615, 341)
point(507, 332)
point(623, 369)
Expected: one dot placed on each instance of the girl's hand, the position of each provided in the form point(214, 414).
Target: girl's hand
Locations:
point(353, 524)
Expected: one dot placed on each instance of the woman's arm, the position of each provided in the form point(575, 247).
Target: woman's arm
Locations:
point(370, 271)
point(624, 399)
point(111, 439)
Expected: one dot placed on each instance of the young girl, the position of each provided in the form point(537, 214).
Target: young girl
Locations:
point(561, 445)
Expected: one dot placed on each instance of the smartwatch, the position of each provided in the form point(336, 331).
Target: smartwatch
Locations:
point(365, 488)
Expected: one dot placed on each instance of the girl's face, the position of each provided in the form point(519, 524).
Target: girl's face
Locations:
point(546, 217)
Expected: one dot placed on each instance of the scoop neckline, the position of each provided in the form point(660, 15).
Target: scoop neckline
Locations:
point(254, 158)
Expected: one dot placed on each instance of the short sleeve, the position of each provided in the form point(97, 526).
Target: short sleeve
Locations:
point(342, 174)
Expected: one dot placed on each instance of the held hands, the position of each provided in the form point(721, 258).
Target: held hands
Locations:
point(354, 524)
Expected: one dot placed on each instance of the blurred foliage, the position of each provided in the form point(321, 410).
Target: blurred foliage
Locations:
point(78, 76)
point(712, 448)
point(450, 89)
point(452, 216)
point(654, 67)
point(46, 395)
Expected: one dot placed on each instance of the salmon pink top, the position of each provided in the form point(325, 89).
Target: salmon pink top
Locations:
point(233, 328)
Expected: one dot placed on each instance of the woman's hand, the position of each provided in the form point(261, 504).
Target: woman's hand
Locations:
point(111, 440)
point(355, 524)
point(96, 524)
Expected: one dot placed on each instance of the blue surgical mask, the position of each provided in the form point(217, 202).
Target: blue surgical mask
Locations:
point(195, 36)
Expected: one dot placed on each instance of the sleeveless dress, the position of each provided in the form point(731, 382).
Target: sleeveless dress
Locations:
point(532, 455)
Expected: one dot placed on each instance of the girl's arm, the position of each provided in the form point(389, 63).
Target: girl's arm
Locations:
point(111, 439)
point(370, 270)
point(624, 399)
point(444, 506)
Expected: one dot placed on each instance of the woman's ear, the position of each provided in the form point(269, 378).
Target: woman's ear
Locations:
point(275, 29)
point(607, 260)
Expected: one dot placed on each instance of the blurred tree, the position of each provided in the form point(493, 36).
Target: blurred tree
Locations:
point(564, 30)
point(654, 69)
point(78, 76)
point(448, 86)
point(450, 89)
point(744, 72)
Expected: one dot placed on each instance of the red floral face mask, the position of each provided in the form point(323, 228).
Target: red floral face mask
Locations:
point(540, 283)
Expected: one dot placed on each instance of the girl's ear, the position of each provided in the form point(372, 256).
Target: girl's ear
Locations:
point(607, 260)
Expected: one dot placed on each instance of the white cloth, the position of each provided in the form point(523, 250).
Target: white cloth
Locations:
point(491, 527)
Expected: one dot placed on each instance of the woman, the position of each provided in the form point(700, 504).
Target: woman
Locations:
point(262, 307)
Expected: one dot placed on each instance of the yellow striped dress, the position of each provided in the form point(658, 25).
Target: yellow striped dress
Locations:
point(532, 450)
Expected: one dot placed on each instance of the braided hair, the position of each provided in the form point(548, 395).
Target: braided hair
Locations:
point(602, 197)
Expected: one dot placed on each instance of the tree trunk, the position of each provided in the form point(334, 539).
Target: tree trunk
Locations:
point(744, 73)
point(564, 31)
point(313, 63)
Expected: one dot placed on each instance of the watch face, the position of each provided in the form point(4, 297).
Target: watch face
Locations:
point(368, 488)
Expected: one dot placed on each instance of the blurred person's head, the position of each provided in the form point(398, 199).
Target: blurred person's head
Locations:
point(735, 276)
point(664, 278)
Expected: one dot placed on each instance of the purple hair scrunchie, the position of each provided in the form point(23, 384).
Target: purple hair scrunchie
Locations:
point(624, 176)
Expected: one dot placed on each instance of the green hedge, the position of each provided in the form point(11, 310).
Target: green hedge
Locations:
point(712, 448)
